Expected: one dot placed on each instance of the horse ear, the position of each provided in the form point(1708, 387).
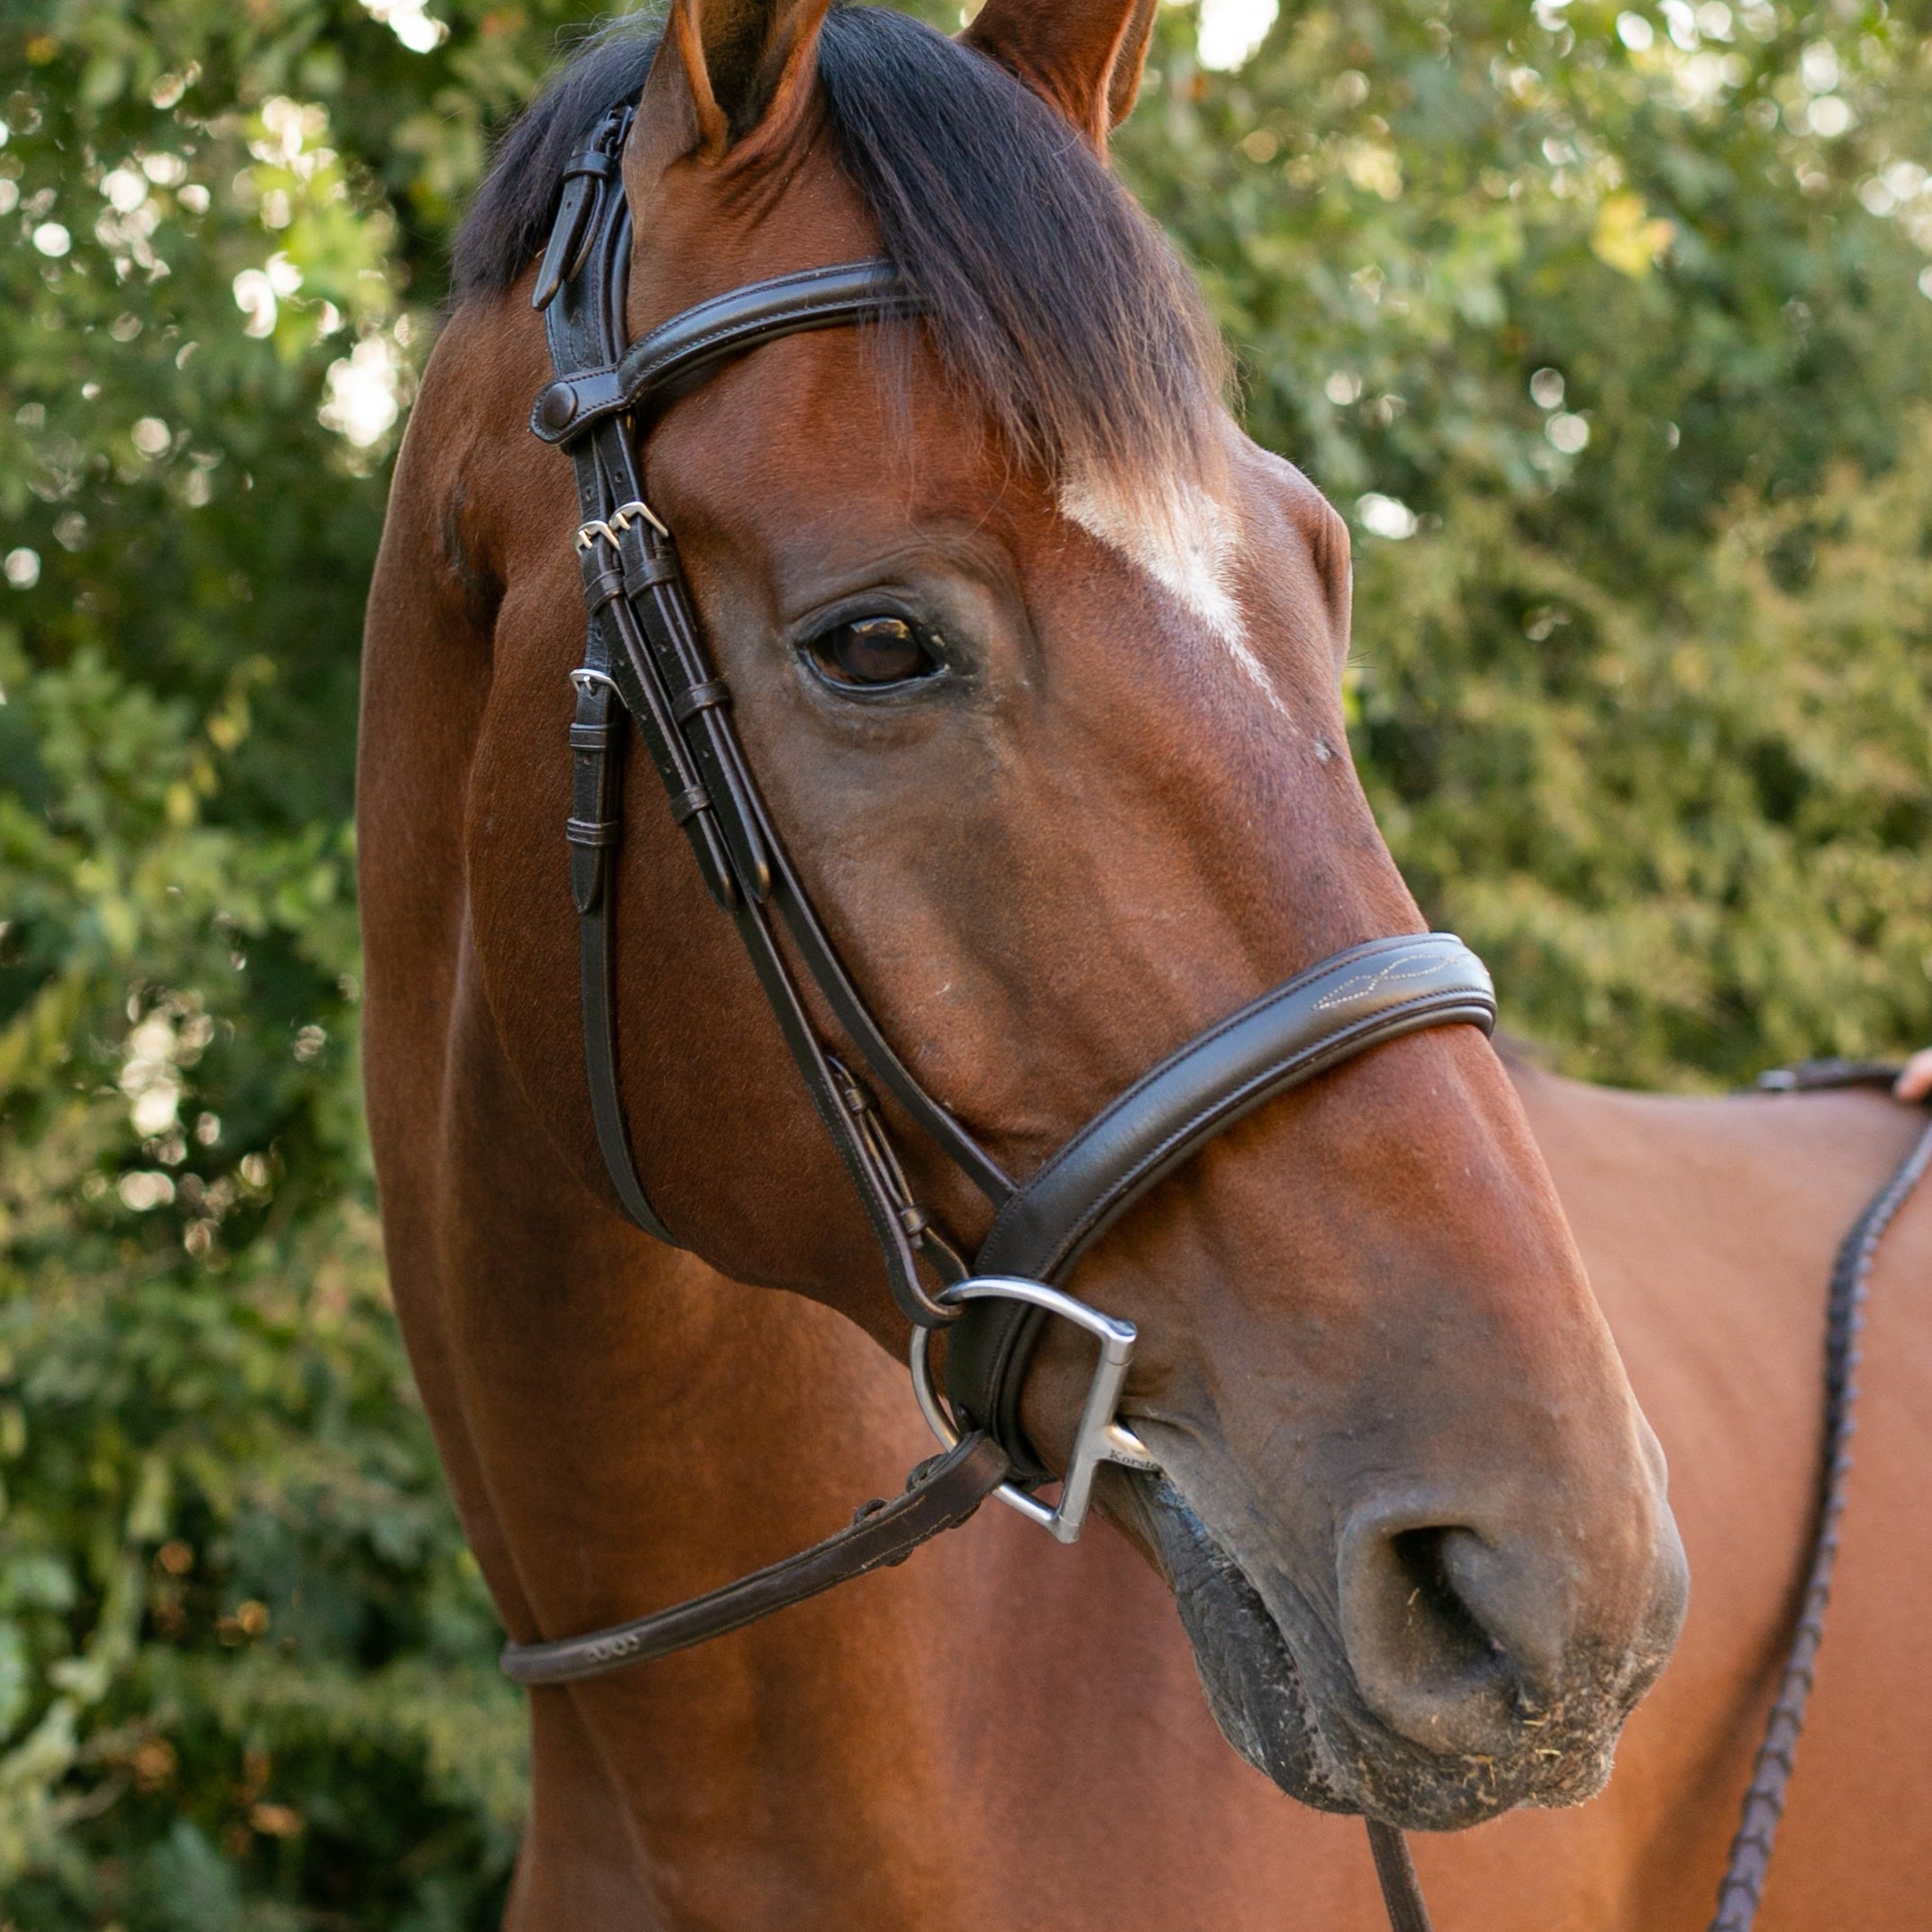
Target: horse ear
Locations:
point(1083, 56)
point(749, 66)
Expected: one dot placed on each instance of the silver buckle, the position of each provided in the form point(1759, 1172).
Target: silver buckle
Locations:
point(1101, 1438)
point(625, 514)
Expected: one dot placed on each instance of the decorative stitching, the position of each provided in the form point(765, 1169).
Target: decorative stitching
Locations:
point(1392, 971)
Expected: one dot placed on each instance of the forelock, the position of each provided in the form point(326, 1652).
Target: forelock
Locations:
point(1050, 297)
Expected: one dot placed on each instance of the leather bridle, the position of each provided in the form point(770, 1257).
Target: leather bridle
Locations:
point(644, 659)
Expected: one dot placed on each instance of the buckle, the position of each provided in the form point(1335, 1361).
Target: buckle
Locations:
point(1101, 1438)
point(637, 511)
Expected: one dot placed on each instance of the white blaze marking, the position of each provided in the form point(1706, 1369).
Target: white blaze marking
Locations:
point(1185, 541)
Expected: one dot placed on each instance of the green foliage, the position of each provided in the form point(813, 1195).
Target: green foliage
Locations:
point(1595, 323)
point(1688, 841)
point(1610, 336)
point(246, 1666)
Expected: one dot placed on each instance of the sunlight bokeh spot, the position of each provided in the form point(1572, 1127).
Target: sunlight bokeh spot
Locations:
point(1231, 29)
point(1387, 516)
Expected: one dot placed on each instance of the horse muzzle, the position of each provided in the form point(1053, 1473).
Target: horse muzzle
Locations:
point(1440, 1680)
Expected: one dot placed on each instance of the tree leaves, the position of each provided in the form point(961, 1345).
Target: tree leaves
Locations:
point(1620, 386)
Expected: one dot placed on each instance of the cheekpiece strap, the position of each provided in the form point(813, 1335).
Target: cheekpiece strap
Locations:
point(644, 657)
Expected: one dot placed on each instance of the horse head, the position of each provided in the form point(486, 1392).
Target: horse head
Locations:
point(1036, 659)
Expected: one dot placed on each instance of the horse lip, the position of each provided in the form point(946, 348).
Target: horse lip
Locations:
point(1252, 1682)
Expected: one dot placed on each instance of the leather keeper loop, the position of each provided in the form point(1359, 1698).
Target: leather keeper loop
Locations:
point(593, 831)
point(601, 585)
point(592, 736)
point(685, 805)
point(642, 569)
point(707, 696)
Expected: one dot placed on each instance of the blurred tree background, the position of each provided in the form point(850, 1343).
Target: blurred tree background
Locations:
point(1607, 330)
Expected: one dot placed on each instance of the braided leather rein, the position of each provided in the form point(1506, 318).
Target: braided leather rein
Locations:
point(1743, 1885)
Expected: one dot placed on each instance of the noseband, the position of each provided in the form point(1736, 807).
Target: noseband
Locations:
point(644, 659)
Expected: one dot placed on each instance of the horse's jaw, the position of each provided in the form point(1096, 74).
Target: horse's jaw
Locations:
point(1288, 1703)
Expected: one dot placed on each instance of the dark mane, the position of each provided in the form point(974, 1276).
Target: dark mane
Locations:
point(1050, 297)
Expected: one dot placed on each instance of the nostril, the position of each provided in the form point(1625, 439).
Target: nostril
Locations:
point(1421, 1627)
point(1443, 1620)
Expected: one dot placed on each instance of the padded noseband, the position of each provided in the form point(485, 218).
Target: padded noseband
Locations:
point(1341, 1007)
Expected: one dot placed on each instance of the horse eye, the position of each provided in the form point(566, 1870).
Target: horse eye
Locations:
point(874, 654)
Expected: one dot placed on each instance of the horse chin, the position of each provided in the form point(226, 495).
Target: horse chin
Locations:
point(1298, 1719)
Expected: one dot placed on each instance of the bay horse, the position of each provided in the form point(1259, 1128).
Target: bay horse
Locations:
point(1035, 657)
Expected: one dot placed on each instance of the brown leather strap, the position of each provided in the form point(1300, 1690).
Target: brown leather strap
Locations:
point(835, 296)
point(939, 1495)
point(1823, 1076)
point(643, 635)
point(1401, 1896)
point(597, 990)
point(585, 181)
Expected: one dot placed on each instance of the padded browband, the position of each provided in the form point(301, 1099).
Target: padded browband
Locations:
point(1338, 1009)
point(728, 325)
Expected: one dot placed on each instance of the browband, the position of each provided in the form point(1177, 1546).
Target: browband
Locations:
point(727, 326)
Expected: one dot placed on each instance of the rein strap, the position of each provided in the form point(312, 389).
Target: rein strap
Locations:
point(939, 1495)
point(1743, 1885)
